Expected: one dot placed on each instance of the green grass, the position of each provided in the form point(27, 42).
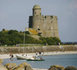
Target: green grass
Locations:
point(32, 45)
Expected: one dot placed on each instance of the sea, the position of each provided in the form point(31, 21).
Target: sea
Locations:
point(63, 60)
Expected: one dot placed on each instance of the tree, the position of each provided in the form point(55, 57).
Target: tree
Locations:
point(14, 37)
point(3, 29)
point(53, 40)
point(50, 40)
point(13, 31)
point(27, 32)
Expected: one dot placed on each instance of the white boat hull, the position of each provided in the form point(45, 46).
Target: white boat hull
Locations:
point(21, 57)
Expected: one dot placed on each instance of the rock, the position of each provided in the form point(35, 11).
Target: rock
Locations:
point(70, 68)
point(10, 66)
point(2, 67)
point(1, 61)
point(24, 66)
point(56, 67)
point(19, 68)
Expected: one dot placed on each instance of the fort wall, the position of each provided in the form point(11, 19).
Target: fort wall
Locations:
point(54, 48)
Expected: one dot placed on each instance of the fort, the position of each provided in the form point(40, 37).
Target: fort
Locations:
point(46, 26)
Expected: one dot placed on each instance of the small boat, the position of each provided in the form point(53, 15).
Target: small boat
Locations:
point(21, 57)
point(35, 59)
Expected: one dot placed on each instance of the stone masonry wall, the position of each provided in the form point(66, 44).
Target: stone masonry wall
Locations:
point(5, 50)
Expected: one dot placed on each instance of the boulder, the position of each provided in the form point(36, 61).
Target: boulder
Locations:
point(2, 67)
point(56, 67)
point(19, 68)
point(10, 66)
point(24, 66)
point(70, 68)
point(1, 61)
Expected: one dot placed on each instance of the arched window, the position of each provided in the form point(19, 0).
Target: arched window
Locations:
point(38, 29)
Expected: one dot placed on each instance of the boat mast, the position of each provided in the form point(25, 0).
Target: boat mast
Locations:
point(24, 37)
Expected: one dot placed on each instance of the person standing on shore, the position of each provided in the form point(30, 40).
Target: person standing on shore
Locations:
point(39, 53)
point(11, 57)
point(36, 53)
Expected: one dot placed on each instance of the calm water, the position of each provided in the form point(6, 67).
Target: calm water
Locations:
point(63, 60)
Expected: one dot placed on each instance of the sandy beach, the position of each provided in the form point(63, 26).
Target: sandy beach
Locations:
point(4, 56)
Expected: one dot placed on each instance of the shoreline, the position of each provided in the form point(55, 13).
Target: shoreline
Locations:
point(4, 56)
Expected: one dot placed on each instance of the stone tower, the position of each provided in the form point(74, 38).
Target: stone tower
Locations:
point(46, 25)
point(36, 10)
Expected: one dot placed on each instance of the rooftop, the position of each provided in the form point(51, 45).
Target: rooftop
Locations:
point(36, 7)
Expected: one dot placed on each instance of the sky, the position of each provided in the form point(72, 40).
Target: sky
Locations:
point(14, 14)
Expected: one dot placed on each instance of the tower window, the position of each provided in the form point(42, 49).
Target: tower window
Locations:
point(40, 13)
point(40, 33)
point(38, 29)
point(35, 12)
point(45, 16)
point(51, 16)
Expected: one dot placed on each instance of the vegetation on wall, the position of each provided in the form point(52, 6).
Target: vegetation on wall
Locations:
point(13, 37)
